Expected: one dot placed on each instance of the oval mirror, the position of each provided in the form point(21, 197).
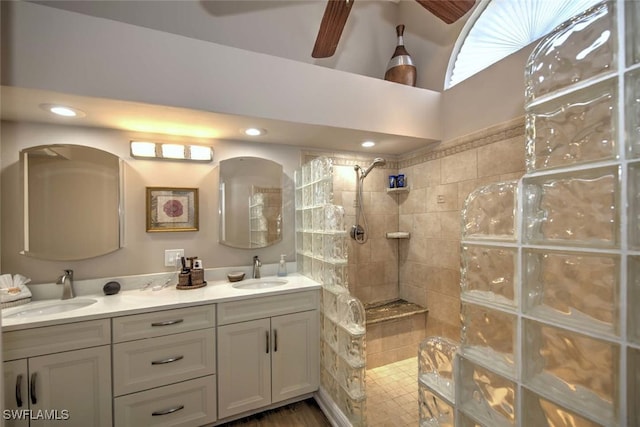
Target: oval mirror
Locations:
point(250, 202)
point(72, 202)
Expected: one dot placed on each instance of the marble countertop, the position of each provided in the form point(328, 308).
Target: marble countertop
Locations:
point(135, 301)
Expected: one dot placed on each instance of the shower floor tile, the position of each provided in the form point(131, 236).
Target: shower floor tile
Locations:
point(392, 394)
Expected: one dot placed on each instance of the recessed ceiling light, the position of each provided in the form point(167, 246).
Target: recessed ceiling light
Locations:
point(62, 110)
point(254, 131)
point(368, 144)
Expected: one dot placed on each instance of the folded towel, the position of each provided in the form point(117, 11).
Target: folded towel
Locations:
point(13, 288)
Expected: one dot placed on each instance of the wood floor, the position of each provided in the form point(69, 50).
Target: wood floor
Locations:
point(301, 414)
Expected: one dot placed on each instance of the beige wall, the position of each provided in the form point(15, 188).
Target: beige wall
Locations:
point(494, 95)
point(143, 252)
point(440, 180)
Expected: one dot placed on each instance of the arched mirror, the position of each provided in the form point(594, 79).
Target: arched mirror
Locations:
point(250, 202)
point(72, 202)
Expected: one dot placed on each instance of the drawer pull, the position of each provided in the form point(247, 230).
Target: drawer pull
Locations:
point(167, 411)
point(167, 360)
point(167, 322)
point(34, 399)
point(19, 390)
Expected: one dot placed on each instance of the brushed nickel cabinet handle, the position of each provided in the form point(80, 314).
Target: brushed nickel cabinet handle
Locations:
point(267, 335)
point(34, 398)
point(275, 340)
point(19, 390)
point(167, 360)
point(167, 322)
point(167, 411)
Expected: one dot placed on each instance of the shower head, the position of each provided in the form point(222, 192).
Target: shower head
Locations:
point(378, 161)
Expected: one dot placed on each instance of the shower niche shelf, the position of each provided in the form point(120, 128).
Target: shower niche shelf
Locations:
point(399, 235)
point(396, 190)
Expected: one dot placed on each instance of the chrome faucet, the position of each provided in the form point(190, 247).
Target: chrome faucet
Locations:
point(66, 280)
point(256, 267)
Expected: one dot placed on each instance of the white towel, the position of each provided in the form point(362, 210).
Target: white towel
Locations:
point(14, 288)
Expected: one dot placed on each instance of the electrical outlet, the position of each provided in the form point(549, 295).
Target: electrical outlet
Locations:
point(440, 198)
point(171, 257)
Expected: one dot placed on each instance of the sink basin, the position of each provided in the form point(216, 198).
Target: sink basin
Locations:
point(43, 308)
point(259, 284)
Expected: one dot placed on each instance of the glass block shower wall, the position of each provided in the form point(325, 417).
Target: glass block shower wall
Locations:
point(551, 264)
point(321, 254)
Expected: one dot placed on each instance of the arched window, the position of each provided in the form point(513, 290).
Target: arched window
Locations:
point(498, 28)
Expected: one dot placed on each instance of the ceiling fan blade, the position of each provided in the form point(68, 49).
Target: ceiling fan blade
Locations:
point(333, 21)
point(448, 11)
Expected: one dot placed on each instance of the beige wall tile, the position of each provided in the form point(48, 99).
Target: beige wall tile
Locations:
point(383, 203)
point(443, 280)
point(385, 223)
point(459, 167)
point(442, 198)
point(450, 225)
point(405, 223)
point(413, 202)
point(444, 308)
point(501, 157)
point(424, 174)
point(443, 253)
point(344, 178)
point(417, 249)
point(427, 225)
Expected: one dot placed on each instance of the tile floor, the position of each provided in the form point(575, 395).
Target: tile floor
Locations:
point(392, 394)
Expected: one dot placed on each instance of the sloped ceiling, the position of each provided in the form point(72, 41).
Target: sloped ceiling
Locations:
point(288, 29)
point(285, 29)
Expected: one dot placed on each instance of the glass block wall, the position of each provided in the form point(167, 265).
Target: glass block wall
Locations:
point(321, 254)
point(550, 284)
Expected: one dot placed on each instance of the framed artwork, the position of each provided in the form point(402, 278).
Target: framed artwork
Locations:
point(172, 209)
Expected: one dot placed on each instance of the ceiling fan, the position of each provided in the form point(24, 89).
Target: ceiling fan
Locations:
point(337, 12)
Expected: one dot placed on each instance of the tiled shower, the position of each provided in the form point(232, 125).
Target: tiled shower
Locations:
point(550, 272)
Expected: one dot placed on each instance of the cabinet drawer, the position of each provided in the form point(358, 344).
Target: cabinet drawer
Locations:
point(54, 339)
point(144, 364)
point(261, 307)
point(189, 403)
point(164, 322)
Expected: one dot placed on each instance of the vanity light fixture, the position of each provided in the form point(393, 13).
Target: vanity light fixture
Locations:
point(368, 144)
point(62, 110)
point(170, 151)
point(254, 131)
point(173, 151)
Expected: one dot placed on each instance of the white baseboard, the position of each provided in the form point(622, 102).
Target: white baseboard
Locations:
point(334, 414)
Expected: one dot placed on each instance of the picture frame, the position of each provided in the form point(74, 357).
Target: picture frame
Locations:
point(172, 209)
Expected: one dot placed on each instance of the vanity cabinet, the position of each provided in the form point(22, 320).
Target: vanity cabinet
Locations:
point(268, 351)
point(164, 367)
point(59, 373)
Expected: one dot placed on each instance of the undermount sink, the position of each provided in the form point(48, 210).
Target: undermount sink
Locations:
point(259, 283)
point(43, 308)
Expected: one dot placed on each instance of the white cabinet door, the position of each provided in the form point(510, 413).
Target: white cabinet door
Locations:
point(244, 374)
point(295, 358)
point(76, 384)
point(16, 394)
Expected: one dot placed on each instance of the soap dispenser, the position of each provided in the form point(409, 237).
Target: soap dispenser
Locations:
point(282, 267)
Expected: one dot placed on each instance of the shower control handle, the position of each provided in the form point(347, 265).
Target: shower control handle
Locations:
point(357, 232)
